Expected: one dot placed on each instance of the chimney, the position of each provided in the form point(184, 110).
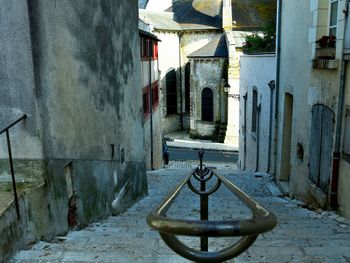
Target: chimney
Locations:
point(227, 15)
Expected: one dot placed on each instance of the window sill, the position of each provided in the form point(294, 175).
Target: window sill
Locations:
point(321, 63)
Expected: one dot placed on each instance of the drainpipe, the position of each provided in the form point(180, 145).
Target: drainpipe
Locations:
point(181, 113)
point(272, 87)
point(150, 46)
point(278, 70)
point(245, 130)
point(258, 139)
point(336, 154)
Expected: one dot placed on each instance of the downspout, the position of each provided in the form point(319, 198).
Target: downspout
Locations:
point(336, 154)
point(181, 113)
point(258, 139)
point(278, 70)
point(150, 46)
point(245, 130)
point(272, 85)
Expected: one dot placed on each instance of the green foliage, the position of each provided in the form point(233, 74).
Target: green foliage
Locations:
point(257, 43)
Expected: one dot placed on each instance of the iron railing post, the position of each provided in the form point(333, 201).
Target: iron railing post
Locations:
point(12, 172)
point(203, 203)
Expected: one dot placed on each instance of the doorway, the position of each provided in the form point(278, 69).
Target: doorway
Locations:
point(286, 137)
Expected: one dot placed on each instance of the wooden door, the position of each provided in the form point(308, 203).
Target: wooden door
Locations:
point(321, 142)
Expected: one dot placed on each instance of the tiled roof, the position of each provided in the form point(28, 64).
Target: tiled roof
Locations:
point(215, 48)
point(198, 14)
point(206, 14)
point(159, 20)
point(253, 14)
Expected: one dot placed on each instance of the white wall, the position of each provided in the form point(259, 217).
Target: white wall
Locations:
point(256, 71)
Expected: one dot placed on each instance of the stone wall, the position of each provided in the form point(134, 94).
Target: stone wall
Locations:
point(205, 73)
point(74, 68)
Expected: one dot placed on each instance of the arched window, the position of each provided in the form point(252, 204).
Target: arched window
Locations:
point(171, 94)
point(207, 105)
point(187, 87)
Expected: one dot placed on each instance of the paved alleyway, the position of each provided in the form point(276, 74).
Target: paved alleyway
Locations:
point(301, 235)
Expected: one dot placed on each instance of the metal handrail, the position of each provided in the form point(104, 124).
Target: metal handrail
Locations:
point(262, 221)
point(6, 130)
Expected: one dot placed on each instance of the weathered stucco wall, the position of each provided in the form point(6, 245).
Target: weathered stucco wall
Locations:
point(80, 87)
point(255, 74)
point(307, 86)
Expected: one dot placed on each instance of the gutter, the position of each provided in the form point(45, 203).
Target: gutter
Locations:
point(150, 46)
point(336, 153)
point(278, 71)
point(271, 85)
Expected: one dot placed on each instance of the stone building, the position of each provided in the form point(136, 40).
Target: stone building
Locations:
point(312, 86)
point(191, 26)
point(73, 67)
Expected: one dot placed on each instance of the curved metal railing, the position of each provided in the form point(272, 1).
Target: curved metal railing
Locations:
point(248, 229)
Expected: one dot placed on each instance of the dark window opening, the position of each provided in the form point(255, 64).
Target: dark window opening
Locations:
point(171, 92)
point(207, 105)
point(254, 110)
point(145, 98)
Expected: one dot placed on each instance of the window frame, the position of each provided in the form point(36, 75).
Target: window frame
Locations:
point(334, 26)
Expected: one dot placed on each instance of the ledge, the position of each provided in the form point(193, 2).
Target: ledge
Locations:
point(325, 63)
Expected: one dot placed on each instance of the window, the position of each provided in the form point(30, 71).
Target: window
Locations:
point(171, 93)
point(207, 105)
point(145, 98)
point(155, 51)
point(254, 110)
point(333, 17)
point(155, 96)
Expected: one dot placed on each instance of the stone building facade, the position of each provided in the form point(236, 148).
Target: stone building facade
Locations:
point(73, 67)
point(188, 26)
point(313, 99)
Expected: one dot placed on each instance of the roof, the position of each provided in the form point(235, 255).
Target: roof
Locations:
point(198, 14)
point(159, 20)
point(253, 14)
point(238, 37)
point(215, 48)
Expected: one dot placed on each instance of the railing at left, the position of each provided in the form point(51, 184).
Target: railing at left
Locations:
point(7, 131)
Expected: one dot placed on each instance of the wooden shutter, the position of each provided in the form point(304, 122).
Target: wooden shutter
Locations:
point(321, 143)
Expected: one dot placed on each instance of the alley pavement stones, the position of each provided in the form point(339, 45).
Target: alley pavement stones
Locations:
point(301, 235)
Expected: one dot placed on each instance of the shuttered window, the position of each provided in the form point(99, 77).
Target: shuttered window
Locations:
point(207, 105)
point(321, 143)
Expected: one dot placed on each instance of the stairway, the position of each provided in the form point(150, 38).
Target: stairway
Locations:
point(301, 235)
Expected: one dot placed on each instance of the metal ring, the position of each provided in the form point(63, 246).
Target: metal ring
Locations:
point(203, 179)
point(201, 256)
point(208, 192)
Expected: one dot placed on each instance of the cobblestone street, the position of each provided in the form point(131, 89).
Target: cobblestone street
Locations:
point(302, 235)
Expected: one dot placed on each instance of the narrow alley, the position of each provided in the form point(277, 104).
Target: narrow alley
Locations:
point(302, 235)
